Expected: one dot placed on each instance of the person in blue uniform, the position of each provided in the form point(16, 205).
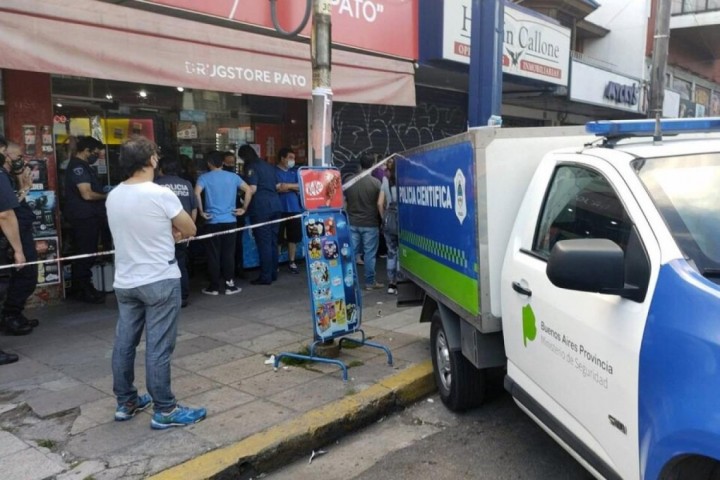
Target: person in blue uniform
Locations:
point(264, 207)
point(85, 210)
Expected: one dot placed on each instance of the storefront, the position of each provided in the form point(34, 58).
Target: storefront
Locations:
point(91, 67)
point(536, 56)
point(613, 95)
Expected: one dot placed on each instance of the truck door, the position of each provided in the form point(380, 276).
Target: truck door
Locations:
point(573, 355)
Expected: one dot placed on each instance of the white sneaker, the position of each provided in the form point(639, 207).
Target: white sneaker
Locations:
point(231, 289)
point(209, 291)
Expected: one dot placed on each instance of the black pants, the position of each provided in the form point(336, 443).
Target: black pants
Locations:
point(85, 237)
point(22, 282)
point(266, 239)
point(220, 255)
point(239, 253)
point(181, 255)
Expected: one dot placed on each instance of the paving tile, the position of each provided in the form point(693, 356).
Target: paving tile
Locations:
point(191, 384)
point(195, 345)
point(111, 437)
point(312, 394)
point(241, 422)
point(238, 370)
point(245, 331)
point(9, 445)
point(272, 342)
point(219, 400)
point(270, 383)
point(50, 403)
point(210, 322)
point(83, 471)
point(217, 356)
point(417, 352)
point(30, 464)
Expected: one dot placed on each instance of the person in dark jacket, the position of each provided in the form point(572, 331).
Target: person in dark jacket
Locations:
point(265, 207)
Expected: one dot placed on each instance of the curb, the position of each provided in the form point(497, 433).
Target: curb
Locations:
point(285, 441)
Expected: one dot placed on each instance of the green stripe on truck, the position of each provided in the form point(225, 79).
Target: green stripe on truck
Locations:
point(459, 288)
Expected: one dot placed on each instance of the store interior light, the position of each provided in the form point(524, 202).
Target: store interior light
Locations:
point(109, 96)
point(142, 93)
point(180, 89)
point(58, 105)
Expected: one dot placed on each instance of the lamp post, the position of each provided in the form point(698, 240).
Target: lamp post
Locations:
point(321, 92)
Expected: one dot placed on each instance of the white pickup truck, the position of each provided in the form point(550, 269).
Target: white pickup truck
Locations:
point(586, 262)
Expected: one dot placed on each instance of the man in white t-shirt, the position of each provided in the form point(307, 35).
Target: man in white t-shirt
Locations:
point(145, 220)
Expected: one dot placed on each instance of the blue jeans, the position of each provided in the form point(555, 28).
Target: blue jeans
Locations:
point(368, 238)
point(393, 265)
point(154, 307)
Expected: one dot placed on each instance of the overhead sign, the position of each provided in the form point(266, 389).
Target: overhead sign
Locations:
point(597, 86)
point(384, 26)
point(534, 46)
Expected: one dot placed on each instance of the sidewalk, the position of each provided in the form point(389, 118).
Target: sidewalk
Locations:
point(56, 403)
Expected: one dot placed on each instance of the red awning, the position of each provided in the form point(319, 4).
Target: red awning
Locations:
point(95, 39)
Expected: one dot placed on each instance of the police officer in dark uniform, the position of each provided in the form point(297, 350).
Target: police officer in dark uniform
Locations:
point(265, 206)
point(85, 210)
point(22, 282)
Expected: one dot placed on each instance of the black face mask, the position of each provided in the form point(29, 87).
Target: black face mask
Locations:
point(228, 168)
point(93, 158)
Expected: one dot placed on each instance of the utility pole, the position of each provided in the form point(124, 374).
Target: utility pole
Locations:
point(661, 45)
point(321, 93)
point(486, 46)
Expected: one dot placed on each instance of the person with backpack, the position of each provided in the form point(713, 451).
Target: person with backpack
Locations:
point(388, 207)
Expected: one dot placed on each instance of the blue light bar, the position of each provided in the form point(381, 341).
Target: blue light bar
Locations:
point(643, 128)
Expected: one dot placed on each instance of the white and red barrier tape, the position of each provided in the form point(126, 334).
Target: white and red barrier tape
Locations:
point(349, 184)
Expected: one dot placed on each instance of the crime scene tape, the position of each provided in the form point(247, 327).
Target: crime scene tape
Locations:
point(349, 184)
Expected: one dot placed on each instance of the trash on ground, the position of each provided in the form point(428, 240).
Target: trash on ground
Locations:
point(316, 454)
point(270, 361)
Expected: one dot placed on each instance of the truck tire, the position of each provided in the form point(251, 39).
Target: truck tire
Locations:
point(460, 384)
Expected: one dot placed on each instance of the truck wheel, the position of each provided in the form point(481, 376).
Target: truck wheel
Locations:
point(460, 384)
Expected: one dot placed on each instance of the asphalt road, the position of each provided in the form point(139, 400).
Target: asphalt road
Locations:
point(427, 441)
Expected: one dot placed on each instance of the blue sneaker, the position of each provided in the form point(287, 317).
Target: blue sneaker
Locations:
point(128, 411)
point(179, 417)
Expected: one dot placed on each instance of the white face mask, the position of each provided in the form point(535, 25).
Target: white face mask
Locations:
point(291, 163)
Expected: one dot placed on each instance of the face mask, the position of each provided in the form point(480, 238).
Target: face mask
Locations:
point(291, 163)
point(93, 158)
point(228, 168)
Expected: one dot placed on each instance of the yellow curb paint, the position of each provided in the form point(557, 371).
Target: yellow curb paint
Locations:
point(212, 463)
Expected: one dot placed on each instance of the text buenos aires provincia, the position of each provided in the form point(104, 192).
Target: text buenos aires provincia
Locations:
point(588, 363)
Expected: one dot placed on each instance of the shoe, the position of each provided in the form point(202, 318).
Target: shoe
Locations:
point(231, 289)
point(184, 303)
point(293, 268)
point(392, 289)
point(179, 417)
point(33, 322)
point(374, 286)
point(210, 291)
point(15, 325)
point(257, 281)
point(6, 358)
point(128, 411)
point(359, 261)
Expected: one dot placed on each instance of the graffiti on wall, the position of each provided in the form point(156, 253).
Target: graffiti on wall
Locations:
point(380, 130)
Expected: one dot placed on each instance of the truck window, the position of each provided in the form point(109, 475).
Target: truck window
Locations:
point(580, 203)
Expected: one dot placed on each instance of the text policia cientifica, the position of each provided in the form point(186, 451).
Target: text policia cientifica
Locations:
point(577, 348)
point(437, 196)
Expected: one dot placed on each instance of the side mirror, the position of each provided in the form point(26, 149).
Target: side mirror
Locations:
point(588, 265)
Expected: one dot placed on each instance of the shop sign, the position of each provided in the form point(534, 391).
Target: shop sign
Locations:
point(384, 26)
point(589, 84)
point(534, 47)
point(198, 116)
